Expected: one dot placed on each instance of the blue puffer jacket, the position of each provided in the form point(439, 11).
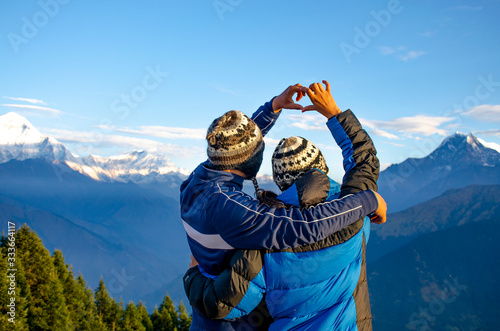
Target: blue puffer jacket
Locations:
point(315, 287)
point(219, 218)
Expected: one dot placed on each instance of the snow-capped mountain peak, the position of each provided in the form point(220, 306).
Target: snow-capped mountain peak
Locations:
point(16, 130)
point(20, 140)
point(460, 160)
point(133, 166)
point(493, 146)
point(464, 144)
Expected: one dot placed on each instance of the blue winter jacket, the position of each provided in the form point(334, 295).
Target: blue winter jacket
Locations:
point(310, 288)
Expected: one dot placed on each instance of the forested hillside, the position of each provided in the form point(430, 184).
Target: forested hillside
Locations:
point(42, 293)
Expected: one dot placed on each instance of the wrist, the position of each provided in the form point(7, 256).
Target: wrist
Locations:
point(332, 114)
point(275, 105)
point(336, 110)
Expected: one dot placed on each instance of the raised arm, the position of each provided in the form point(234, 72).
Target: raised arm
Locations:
point(361, 164)
point(365, 169)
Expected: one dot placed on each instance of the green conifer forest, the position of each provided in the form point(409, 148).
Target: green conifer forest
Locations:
point(40, 292)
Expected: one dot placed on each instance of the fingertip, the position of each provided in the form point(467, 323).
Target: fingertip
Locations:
point(327, 84)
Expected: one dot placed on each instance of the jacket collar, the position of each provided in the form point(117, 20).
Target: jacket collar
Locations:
point(204, 172)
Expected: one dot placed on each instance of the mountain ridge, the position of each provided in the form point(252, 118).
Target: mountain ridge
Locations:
point(453, 208)
point(419, 179)
point(119, 220)
point(20, 140)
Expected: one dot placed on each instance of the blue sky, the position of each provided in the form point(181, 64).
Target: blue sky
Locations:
point(111, 77)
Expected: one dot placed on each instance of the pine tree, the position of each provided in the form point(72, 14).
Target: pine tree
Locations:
point(88, 319)
point(184, 319)
point(108, 311)
point(56, 312)
point(46, 304)
point(144, 316)
point(81, 307)
point(65, 277)
point(166, 319)
point(155, 319)
point(131, 319)
point(168, 305)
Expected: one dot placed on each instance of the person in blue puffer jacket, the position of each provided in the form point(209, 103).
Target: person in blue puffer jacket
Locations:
point(314, 287)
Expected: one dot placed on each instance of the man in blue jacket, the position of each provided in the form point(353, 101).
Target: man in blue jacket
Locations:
point(219, 217)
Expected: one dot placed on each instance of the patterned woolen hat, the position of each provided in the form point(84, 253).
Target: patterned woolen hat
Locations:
point(292, 157)
point(232, 139)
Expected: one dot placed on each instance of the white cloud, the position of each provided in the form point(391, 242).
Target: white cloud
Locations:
point(98, 139)
point(411, 55)
point(492, 132)
point(376, 131)
point(325, 146)
point(160, 131)
point(400, 52)
point(35, 101)
point(386, 50)
point(383, 133)
point(305, 126)
point(395, 144)
point(96, 136)
point(271, 141)
point(38, 109)
point(419, 124)
point(485, 113)
point(307, 121)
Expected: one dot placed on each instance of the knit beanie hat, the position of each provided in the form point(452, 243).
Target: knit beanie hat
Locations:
point(233, 140)
point(292, 157)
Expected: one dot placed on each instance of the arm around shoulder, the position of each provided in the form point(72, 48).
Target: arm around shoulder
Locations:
point(243, 223)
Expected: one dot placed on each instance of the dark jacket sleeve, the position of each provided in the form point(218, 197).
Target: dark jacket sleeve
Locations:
point(364, 174)
point(217, 298)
